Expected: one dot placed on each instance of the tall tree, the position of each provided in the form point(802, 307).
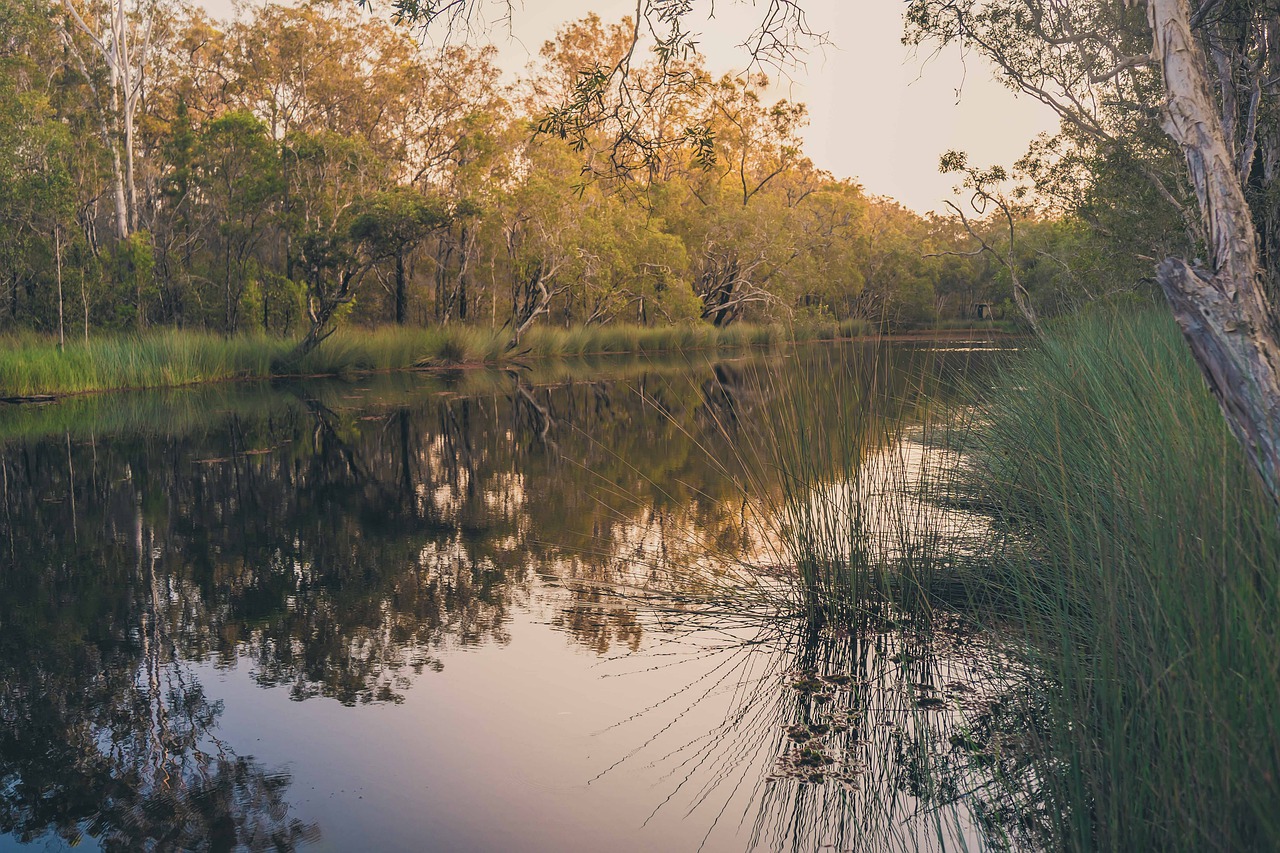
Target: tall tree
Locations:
point(239, 179)
point(329, 176)
point(390, 225)
point(111, 42)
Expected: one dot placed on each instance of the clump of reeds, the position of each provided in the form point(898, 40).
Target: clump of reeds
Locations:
point(1132, 555)
point(31, 365)
point(173, 358)
point(362, 350)
point(34, 365)
point(842, 460)
point(159, 359)
point(617, 338)
point(1141, 563)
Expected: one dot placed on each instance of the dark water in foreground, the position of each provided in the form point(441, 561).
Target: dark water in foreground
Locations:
point(440, 613)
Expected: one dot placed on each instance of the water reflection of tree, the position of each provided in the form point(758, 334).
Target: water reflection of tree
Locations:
point(342, 548)
point(105, 733)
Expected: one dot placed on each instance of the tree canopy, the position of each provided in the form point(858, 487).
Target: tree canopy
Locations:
point(301, 166)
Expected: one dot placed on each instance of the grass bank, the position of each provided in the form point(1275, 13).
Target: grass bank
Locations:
point(1141, 561)
point(32, 365)
point(1104, 525)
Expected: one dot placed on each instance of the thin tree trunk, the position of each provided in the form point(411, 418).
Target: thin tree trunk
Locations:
point(1224, 312)
point(229, 323)
point(84, 299)
point(401, 297)
point(117, 188)
point(464, 266)
point(130, 181)
point(57, 259)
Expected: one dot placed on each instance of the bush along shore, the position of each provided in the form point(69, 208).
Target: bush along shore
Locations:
point(34, 367)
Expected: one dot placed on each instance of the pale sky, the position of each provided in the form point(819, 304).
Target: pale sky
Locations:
point(877, 114)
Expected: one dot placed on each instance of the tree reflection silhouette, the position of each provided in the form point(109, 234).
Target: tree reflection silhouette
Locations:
point(106, 734)
point(340, 539)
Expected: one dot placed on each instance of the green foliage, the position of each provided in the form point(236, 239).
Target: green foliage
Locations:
point(303, 167)
point(1096, 514)
point(131, 268)
point(848, 514)
point(393, 221)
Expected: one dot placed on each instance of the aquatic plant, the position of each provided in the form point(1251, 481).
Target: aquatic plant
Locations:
point(1101, 521)
point(1140, 562)
point(857, 445)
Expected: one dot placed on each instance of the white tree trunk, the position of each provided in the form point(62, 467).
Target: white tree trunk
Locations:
point(1223, 311)
point(118, 191)
point(110, 38)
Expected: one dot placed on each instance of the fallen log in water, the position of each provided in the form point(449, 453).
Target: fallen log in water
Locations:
point(29, 398)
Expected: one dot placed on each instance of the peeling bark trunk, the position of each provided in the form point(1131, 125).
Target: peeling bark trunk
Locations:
point(118, 193)
point(1225, 315)
point(1264, 168)
point(122, 42)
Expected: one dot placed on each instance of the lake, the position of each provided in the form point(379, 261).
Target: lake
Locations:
point(478, 610)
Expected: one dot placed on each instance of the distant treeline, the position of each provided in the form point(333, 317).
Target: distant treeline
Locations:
point(308, 165)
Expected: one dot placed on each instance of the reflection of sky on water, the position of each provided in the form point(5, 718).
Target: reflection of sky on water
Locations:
point(479, 612)
point(494, 752)
point(537, 744)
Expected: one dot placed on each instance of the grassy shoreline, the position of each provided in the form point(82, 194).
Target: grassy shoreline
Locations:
point(1140, 553)
point(1105, 526)
point(32, 366)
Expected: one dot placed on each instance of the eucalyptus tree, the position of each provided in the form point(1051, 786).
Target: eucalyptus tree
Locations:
point(239, 181)
point(37, 191)
point(828, 273)
point(537, 237)
point(748, 241)
point(985, 193)
point(111, 44)
point(328, 175)
point(316, 67)
point(390, 224)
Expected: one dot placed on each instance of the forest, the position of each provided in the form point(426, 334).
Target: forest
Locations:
point(304, 166)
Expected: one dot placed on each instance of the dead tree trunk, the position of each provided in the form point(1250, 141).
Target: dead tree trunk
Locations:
point(531, 300)
point(1224, 311)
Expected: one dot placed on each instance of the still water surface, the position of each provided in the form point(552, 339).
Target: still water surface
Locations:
point(439, 613)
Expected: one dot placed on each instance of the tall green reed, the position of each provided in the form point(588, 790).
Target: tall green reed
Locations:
point(853, 441)
point(31, 365)
point(1140, 561)
point(1103, 523)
